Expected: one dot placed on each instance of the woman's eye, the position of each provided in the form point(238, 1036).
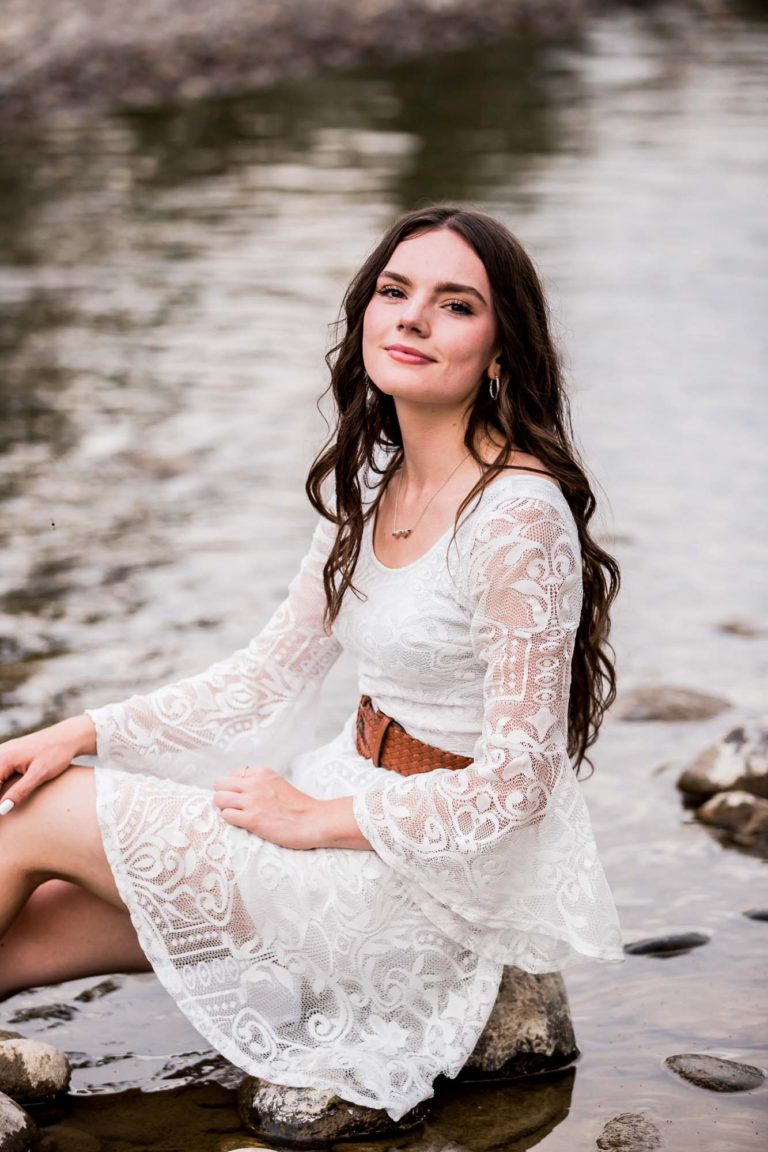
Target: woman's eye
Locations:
point(459, 307)
point(391, 292)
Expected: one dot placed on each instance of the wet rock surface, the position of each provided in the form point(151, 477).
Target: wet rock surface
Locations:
point(307, 1117)
point(115, 54)
point(629, 1132)
point(714, 1073)
point(738, 762)
point(31, 1070)
point(528, 1031)
point(669, 704)
point(17, 1129)
point(674, 944)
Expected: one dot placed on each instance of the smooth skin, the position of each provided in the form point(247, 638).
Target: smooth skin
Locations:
point(429, 341)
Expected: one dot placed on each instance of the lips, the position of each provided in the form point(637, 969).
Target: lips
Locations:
point(407, 355)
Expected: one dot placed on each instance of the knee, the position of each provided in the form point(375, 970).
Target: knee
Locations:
point(31, 835)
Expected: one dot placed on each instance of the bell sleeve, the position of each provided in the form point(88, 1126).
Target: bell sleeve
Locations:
point(500, 855)
point(249, 706)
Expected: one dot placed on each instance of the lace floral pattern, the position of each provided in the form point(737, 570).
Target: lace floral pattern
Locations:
point(369, 973)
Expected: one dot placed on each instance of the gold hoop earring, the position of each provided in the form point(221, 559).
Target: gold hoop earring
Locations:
point(493, 388)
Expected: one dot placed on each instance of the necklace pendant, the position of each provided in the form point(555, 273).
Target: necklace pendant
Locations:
point(402, 533)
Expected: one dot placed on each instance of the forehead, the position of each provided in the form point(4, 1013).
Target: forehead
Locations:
point(441, 255)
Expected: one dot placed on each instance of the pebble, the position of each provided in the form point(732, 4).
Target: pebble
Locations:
point(668, 704)
point(31, 1070)
point(756, 913)
point(629, 1132)
point(17, 1130)
point(737, 762)
point(673, 945)
point(714, 1073)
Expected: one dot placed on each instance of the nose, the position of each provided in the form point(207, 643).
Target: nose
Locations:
point(413, 315)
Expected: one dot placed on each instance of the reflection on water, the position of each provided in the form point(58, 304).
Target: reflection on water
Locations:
point(165, 291)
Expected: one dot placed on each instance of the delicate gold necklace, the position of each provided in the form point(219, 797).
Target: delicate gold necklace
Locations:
point(403, 533)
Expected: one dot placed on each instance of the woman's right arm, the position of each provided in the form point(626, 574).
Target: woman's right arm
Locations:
point(244, 706)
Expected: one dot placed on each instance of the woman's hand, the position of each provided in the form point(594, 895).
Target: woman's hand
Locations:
point(265, 803)
point(42, 756)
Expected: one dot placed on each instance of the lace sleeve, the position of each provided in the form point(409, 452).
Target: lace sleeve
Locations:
point(242, 706)
point(500, 854)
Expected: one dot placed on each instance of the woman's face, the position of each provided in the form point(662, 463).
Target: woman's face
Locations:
point(429, 332)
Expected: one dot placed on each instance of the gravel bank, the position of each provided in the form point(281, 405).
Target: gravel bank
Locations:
point(111, 54)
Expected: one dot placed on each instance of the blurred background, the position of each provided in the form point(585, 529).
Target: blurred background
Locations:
point(185, 190)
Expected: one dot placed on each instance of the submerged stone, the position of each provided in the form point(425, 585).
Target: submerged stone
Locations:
point(714, 1073)
point(629, 1132)
point(669, 704)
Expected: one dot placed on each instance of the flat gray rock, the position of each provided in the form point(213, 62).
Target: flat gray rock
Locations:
point(673, 944)
point(17, 1130)
point(667, 703)
point(31, 1070)
point(629, 1132)
point(715, 1074)
point(737, 762)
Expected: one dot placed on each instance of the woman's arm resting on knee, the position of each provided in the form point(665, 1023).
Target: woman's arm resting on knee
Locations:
point(42, 756)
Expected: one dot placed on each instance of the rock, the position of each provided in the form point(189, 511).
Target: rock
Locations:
point(667, 703)
point(738, 761)
point(740, 628)
point(673, 945)
point(309, 1116)
point(630, 1132)
point(10, 1035)
point(17, 1130)
point(756, 913)
point(716, 1074)
point(31, 1070)
point(529, 1029)
point(745, 816)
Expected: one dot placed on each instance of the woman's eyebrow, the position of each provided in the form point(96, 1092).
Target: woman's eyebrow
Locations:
point(443, 286)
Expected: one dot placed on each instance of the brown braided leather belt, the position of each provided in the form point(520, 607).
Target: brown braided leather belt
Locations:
point(381, 739)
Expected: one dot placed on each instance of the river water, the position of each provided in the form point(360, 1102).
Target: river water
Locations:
point(166, 289)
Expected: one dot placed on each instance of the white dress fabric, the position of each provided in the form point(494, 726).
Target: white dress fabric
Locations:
point(369, 973)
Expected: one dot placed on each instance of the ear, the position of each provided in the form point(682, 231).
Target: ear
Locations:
point(494, 368)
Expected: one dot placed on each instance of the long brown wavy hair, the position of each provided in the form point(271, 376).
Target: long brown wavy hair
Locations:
point(531, 414)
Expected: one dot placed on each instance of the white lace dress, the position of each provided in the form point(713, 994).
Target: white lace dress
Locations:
point(371, 972)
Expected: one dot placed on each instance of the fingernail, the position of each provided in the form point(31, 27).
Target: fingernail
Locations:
point(6, 807)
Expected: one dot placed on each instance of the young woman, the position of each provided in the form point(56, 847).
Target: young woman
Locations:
point(344, 925)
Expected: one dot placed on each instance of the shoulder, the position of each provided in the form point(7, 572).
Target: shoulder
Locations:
point(521, 518)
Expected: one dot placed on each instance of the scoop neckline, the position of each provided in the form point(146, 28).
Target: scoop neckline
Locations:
point(449, 531)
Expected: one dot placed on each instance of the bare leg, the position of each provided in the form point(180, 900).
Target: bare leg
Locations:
point(59, 932)
point(62, 933)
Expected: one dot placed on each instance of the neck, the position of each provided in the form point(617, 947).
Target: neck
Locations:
point(433, 443)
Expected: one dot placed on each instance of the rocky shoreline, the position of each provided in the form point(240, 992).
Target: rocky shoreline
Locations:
point(110, 54)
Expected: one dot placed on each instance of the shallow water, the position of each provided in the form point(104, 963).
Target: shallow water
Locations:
point(165, 294)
